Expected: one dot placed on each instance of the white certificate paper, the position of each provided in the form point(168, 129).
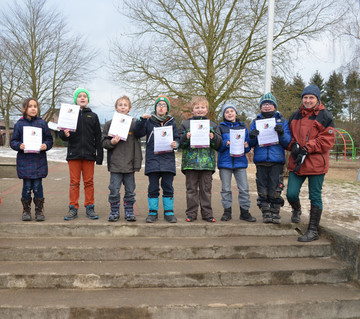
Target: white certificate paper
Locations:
point(120, 125)
point(200, 130)
point(32, 139)
point(68, 117)
point(163, 137)
point(237, 140)
point(267, 134)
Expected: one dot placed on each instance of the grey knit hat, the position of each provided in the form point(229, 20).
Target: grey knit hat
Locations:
point(228, 104)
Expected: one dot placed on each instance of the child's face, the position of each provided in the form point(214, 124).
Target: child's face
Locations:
point(82, 100)
point(32, 109)
point(267, 107)
point(123, 107)
point(200, 109)
point(230, 115)
point(161, 108)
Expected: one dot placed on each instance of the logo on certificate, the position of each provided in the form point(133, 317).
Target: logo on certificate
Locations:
point(266, 125)
point(163, 133)
point(33, 133)
point(70, 110)
point(237, 136)
point(122, 120)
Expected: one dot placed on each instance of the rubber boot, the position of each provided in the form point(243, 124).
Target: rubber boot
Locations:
point(296, 212)
point(227, 215)
point(245, 215)
point(312, 232)
point(153, 209)
point(26, 214)
point(129, 211)
point(168, 204)
point(114, 212)
point(39, 209)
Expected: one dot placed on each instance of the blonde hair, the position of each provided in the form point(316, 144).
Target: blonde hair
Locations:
point(124, 97)
point(199, 100)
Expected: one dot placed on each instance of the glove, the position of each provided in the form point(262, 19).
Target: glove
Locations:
point(295, 149)
point(254, 133)
point(279, 129)
point(300, 159)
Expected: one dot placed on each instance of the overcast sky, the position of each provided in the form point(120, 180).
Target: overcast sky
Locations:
point(100, 22)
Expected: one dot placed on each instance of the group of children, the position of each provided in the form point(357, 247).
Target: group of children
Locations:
point(85, 148)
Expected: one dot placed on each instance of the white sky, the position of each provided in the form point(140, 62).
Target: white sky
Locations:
point(100, 22)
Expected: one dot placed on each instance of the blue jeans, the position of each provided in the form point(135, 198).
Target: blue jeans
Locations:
point(242, 185)
point(34, 185)
point(315, 183)
point(116, 179)
point(166, 184)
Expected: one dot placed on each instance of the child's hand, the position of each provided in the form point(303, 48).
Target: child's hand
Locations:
point(115, 140)
point(67, 132)
point(246, 144)
point(227, 143)
point(211, 135)
point(22, 146)
point(173, 144)
point(188, 134)
point(145, 116)
point(43, 147)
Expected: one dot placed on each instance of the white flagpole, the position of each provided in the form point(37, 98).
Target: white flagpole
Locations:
point(269, 46)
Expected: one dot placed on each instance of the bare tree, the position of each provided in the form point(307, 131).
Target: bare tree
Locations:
point(214, 48)
point(52, 60)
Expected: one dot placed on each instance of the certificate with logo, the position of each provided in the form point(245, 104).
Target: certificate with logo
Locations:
point(68, 117)
point(32, 139)
point(267, 134)
point(163, 137)
point(120, 125)
point(200, 130)
point(237, 140)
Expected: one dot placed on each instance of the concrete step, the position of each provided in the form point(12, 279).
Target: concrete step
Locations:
point(121, 229)
point(174, 248)
point(332, 301)
point(172, 273)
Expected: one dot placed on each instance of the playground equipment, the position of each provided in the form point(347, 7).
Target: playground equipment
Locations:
point(344, 146)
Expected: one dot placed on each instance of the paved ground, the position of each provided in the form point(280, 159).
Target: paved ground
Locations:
point(340, 197)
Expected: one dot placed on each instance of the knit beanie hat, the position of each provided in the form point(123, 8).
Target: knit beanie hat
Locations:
point(78, 91)
point(311, 90)
point(162, 98)
point(268, 98)
point(228, 104)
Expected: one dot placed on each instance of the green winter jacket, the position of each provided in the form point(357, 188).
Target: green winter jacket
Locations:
point(198, 158)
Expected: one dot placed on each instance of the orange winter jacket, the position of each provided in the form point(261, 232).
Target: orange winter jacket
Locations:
point(313, 129)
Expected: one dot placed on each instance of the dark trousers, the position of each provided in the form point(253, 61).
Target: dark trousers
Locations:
point(270, 183)
point(34, 185)
point(198, 190)
point(166, 184)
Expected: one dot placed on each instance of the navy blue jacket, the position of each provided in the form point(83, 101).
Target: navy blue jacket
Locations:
point(31, 165)
point(156, 163)
point(272, 153)
point(224, 158)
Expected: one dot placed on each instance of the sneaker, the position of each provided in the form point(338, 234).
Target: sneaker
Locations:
point(72, 213)
point(210, 219)
point(170, 218)
point(90, 212)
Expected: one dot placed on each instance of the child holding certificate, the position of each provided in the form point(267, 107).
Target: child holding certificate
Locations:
point(270, 158)
point(84, 149)
point(198, 161)
point(31, 163)
point(159, 164)
point(123, 159)
point(233, 161)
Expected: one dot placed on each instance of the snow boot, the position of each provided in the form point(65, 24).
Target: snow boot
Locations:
point(114, 212)
point(39, 209)
point(26, 214)
point(275, 215)
point(227, 215)
point(153, 209)
point(296, 212)
point(312, 232)
point(129, 211)
point(72, 213)
point(168, 204)
point(245, 215)
point(90, 212)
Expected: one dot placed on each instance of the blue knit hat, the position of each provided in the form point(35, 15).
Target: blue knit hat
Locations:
point(228, 104)
point(311, 90)
point(268, 98)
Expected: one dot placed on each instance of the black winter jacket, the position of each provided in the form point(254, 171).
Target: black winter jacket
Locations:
point(85, 143)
